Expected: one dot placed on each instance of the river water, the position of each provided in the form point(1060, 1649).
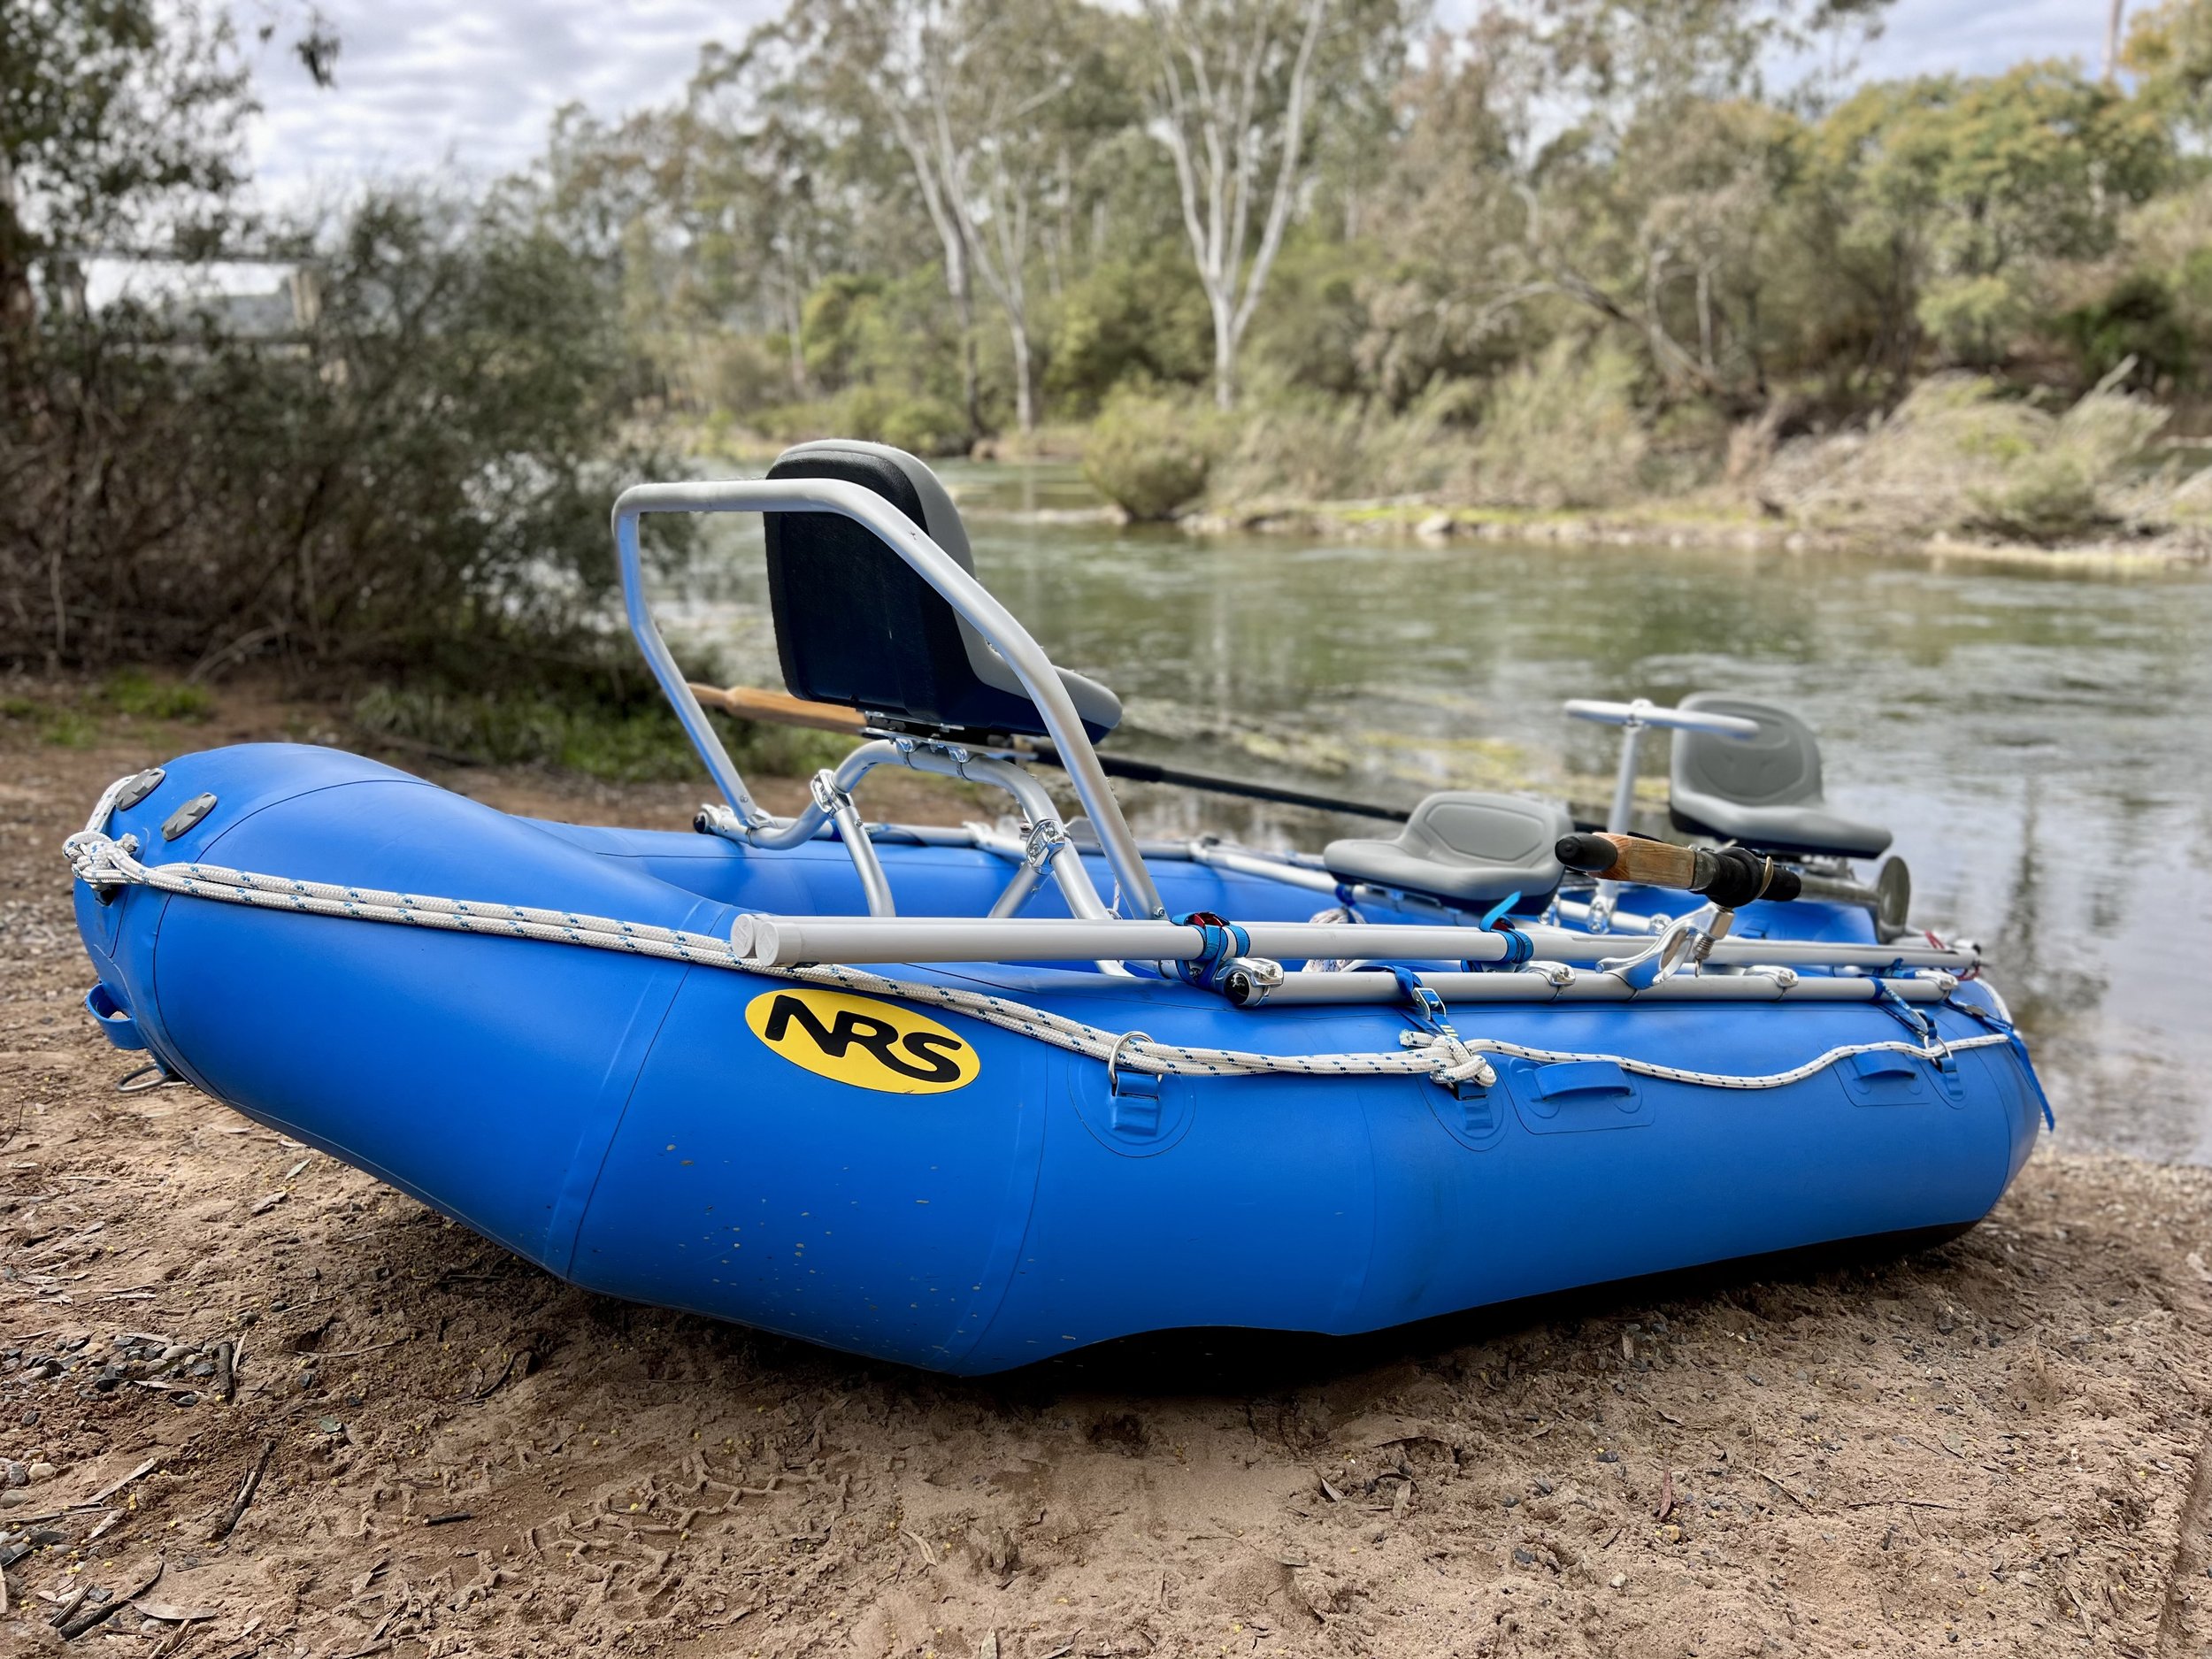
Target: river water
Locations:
point(2038, 739)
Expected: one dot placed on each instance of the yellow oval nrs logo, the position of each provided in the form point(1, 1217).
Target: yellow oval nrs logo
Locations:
point(862, 1041)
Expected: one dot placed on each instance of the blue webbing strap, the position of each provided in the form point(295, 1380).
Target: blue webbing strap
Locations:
point(1906, 1014)
point(1221, 942)
point(1424, 1007)
point(1989, 1018)
point(1519, 947)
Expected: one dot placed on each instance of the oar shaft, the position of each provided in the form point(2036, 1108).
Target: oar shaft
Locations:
point(1146, 772)
point(774, 708)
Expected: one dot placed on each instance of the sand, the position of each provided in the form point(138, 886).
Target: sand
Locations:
point(1995, 1444)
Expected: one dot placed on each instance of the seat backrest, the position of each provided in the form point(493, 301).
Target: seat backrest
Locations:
point(1778, 767)
point(856, 625)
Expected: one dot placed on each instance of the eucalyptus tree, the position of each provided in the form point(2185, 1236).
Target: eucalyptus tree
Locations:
point(1948, 201)
point(1662, 191)
point(1236, 90)
point(984, 100)
point(2169, 50)
point(769, 199)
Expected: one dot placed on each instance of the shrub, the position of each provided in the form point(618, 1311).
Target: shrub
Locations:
point(1957, 455)
point(1304, 450)
point(420, 463)
point(1562, 431)
point(920, 425)
point(1149, 454)
point(2135, 318)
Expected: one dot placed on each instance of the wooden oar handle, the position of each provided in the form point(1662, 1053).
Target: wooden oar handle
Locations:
point(1731, 877)
point(1630, 858)
point(776, 708)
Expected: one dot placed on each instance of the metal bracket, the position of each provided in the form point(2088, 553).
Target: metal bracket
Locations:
point(1659, 961)
point(835, 803)
point(1042, 844)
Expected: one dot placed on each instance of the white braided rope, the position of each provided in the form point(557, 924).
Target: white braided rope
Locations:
point(1443, 1056)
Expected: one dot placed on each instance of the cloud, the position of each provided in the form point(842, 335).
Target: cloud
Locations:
point(472, 85)
point(1976, 37)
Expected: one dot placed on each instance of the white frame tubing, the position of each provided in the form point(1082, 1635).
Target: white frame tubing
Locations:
point(1271, 869)
point(961, 590)
point(784, 941)
point(1316, 989)
point(873, 883)
point(1037, 807)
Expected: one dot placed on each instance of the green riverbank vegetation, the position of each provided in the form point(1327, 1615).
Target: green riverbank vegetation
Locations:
point(1244, 257)
point(1251, 255)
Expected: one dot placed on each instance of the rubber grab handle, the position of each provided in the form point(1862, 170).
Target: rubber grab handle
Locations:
point(1732, 877)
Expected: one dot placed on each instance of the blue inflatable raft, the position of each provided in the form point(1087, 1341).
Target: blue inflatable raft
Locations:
point(972, 1098)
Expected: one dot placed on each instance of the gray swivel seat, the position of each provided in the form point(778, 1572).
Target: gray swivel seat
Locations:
point(1463, 848)
point(1763, 791)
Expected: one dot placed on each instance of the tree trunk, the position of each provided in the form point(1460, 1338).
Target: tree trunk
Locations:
point(1224, 356)
point(1705, 318)
point(1217, 194)
point(970, 395)
point(943, 216)
point(1024, 376)
point(2112, 39)
point(791, 322)
point(18, 310)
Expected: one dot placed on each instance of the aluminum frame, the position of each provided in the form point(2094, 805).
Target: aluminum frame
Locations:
point(957, 587)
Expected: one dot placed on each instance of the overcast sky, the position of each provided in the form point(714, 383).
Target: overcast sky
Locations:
point(471, 84)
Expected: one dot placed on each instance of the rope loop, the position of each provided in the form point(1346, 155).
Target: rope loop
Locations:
point(1435, 1050)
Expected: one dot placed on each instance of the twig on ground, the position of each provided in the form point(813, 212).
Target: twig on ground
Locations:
point(105, 1493)
point(245, 1495)
point(1776, 1482)
point(373, 1348)
point(90, 1617)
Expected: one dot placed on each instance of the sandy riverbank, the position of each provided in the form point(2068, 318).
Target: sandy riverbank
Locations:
point(1992, 1446)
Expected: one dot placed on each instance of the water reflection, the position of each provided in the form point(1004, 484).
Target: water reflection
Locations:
point(2034, 736)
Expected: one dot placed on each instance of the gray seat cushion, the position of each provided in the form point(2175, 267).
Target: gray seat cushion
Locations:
point(1463, 848)
point(1763, 791)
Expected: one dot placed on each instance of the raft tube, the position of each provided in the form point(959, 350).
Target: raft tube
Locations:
point(927, 1188)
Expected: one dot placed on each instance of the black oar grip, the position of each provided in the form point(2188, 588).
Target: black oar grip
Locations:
point(1587, 853)
point(1735, 876)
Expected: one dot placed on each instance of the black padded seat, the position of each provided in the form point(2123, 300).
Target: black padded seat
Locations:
point(1763, 791)
point(1463, 848)
point(856, 625)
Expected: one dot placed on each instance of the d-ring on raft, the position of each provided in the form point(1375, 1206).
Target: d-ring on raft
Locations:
point(971, 1098)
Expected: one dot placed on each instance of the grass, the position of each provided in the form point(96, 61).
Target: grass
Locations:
point(77, 721)
point(134, 692)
